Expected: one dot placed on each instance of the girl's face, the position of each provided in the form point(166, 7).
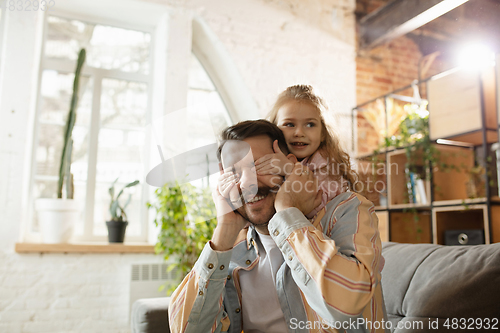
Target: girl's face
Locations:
point(301, 125)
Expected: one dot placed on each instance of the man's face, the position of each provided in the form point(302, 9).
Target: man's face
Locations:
point(258, 192)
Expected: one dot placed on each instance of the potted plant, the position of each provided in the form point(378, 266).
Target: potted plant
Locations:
point(118, 223)
point(57, 217)
point(182, 236)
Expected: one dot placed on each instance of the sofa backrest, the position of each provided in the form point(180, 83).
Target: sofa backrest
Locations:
point(433, 284)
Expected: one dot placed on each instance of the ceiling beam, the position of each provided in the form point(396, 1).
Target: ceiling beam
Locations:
point(399, 17)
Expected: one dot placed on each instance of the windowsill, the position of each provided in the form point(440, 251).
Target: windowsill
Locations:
point(85, 248)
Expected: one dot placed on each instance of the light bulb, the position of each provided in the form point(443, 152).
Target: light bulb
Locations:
point(476, 56)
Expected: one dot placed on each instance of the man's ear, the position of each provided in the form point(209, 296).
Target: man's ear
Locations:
point(292, 158)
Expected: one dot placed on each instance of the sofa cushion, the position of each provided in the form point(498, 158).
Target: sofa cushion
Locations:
point(425, 282)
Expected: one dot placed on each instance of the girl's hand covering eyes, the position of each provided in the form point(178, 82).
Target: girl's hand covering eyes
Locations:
point(226, 182)
point(274, 164)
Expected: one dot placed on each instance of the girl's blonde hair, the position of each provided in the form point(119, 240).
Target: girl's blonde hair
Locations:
point(330, 147)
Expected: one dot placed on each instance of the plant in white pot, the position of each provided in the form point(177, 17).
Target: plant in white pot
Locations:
point(56, 217)
point(118, 223)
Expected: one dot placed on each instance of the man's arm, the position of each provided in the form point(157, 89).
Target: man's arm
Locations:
point(337, 269)
point(197, 304)
point(337, 273)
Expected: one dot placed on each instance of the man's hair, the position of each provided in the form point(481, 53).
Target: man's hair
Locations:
point(251, 128)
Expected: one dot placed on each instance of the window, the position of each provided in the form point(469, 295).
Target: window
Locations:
point(111, 135)
point(203, 97)
point(113, 110)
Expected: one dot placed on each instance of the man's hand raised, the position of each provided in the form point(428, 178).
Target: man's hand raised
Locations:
point(299, 190)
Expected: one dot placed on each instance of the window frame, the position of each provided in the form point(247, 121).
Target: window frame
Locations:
point(97, 75)
point(2, 29)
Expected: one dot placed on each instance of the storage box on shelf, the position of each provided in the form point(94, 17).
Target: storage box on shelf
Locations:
point(456, 96)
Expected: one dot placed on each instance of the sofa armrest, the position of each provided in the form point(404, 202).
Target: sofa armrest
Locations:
point(150, 315)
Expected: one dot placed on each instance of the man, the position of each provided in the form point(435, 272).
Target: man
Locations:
point(283, 273)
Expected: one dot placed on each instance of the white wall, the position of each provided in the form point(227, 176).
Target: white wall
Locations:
point(273, 44)
point(66, 293)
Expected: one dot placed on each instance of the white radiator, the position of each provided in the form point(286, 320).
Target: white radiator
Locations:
point(147, 278)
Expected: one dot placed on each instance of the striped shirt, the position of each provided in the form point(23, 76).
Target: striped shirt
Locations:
point(329, 281)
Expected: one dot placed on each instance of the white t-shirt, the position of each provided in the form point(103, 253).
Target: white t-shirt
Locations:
point(261, 309)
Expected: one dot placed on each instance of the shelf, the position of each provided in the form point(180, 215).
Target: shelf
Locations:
point(463, 110)
point(398, 178)
point(459, 202)
point(409, 206)
point(476, 137)
point(404, 228)
point(84, 248)
point(459, 218)
point(450, 184)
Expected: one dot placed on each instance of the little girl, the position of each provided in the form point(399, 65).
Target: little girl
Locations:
point(300, 114)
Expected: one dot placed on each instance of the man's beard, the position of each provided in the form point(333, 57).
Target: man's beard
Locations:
point(259, 221)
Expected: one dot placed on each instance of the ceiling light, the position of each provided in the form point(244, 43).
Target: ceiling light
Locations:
point(476, 56)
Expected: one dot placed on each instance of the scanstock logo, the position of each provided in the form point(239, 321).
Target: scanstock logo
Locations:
point(185, 158)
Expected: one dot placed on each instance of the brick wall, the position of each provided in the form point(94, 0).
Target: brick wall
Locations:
point(66, 292)
point(384, 69)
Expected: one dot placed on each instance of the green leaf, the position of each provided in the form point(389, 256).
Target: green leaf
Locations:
point(70, 123)
point(135, 182)
point(113, 209)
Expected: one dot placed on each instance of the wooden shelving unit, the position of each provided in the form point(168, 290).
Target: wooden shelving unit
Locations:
point(463, 113)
